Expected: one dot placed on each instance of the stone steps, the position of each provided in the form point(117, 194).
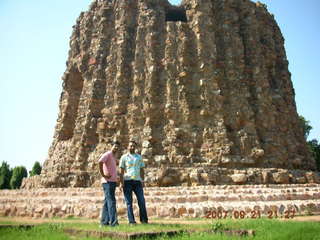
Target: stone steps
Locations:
point(165, 202)
point(223, 189)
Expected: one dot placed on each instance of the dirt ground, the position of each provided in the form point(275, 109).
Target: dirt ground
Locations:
point(315, 218)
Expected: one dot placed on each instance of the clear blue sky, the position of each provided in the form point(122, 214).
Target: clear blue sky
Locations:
point(34, 44)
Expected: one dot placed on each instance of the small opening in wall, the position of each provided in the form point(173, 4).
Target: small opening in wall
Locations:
point(176, 14)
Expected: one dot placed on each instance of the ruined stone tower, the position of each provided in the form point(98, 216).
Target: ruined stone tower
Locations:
point(203, 87)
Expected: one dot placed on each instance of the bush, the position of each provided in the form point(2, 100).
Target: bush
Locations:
point(306, 127)
point(17, 175)
point(36, 169)
point(314, 146)
point(5, 176)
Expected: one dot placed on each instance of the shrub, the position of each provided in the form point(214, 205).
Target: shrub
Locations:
point(17, 175)
point(36, 169)
point(5, 176)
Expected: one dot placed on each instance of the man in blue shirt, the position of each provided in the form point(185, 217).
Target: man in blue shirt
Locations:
point(131, 179)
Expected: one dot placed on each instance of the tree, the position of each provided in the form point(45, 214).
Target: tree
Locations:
point(17, 175)
point(314, 146)
point(36, 169)
point(5, 176)
point(306, 126)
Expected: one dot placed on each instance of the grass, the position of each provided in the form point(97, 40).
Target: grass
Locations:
point(45, 232)
point(266, 229)
point(8, 223)
point(152, 227)
point(68, 218)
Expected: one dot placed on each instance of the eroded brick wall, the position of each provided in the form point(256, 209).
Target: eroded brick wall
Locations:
point(165, 202)
point(212, 90)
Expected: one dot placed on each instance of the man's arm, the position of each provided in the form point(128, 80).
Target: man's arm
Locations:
point(142, 166)
point(142, 176)
point(121, 166)
point(101, 171)
point(121, 177)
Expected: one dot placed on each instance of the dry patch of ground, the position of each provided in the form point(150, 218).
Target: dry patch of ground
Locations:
point(314, 218)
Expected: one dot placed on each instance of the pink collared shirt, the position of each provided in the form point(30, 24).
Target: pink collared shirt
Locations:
point(109, 167)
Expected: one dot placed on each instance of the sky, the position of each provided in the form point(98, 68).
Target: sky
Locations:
point(34, 44)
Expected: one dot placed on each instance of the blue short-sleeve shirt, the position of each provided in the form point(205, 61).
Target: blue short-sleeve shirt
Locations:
point(132, 163)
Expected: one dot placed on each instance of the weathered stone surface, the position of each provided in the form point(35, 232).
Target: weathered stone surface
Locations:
point(204, 86)
point(239, 178)
point(166, 201)
point(281, 177)
point(313, 177)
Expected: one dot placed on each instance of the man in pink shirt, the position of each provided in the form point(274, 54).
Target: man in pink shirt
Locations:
point(108, 171)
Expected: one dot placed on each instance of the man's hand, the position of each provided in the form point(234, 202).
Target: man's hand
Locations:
point(101, 171)
point(107, 176)
point(121, 186)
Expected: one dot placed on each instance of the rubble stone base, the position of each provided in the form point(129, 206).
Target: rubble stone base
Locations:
point(183, 176)
point(173, 202)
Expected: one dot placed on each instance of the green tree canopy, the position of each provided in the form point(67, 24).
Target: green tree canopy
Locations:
point(36, 169)
point(5, 175)
point(314, 146)
point(17, 175)
point(306, 126)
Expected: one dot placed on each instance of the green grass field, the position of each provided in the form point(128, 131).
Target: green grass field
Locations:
point(264, 229)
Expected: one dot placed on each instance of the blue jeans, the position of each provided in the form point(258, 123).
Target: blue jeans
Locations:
point(136, 187)
point(109, 209)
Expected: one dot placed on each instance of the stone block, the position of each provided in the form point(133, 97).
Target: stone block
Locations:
point(313, 177)
point(281, 177)
point(239, 178)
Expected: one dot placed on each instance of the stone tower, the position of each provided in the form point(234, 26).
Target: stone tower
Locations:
point(203, 87)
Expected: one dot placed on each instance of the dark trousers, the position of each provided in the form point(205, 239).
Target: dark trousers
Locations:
point(109, 209)
point(136, 187)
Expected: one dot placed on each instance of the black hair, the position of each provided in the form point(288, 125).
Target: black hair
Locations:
point(133, 141)
point(115, 143)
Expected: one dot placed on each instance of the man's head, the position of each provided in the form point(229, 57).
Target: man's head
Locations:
point(132, 146)
point(115, 146)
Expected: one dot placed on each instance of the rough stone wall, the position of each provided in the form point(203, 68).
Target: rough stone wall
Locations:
point(210, 91)
point(253, 200)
